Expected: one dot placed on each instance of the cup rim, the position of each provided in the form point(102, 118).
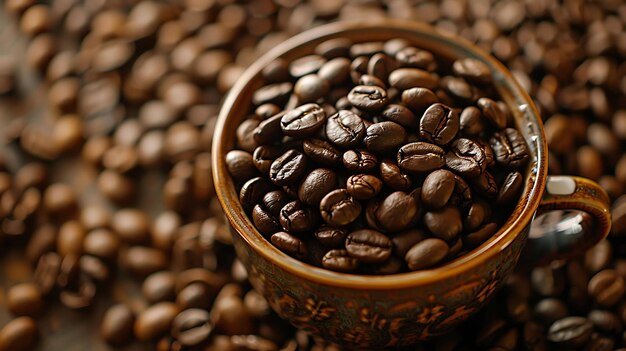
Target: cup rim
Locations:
point(535, 177)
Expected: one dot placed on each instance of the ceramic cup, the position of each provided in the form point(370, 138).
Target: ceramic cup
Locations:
point(381, 311)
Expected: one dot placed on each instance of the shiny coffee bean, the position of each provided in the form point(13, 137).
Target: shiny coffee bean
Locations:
point(437, 188)
point(407, 78)
point(444, 223)
point(439, 124)
point(570, 331)
point(426, 253)
point(322, 152)
point(338, 208)
point(473, 70)
point(116, 327)
point(606, 287)
point(295, 217)
point(192, 327)
point(345, 129)
point(253, 191)
point(316, 185)
point(363, 186)
point(385, 137)
point(492, 112)
point(289, 244)
point(303, 121)
point(466, 158)
point(25, 300)
point(20, 334)
point(419, 99)
point(340, 260)
point(397, 211)
point(368, 98)
point(368, 246)
point(510, 148)
point(420, 157)
point(155, 321)
point(360, 161)
point(330, 236)
point(288, 168)
point(393, 176)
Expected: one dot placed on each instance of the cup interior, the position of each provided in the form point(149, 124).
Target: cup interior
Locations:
point(238, 105)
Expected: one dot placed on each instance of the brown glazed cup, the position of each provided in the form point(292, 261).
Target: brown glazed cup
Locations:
point(383, 311)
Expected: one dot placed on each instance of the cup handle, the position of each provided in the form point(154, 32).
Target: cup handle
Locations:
point(584, 220)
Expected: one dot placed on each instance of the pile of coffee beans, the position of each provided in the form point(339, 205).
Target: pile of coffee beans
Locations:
point(142, 80)
point(377, 157)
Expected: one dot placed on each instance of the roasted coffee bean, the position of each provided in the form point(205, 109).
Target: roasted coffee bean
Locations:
point(570, 332)
point(444, 223)
point(340, 260)
point(264, 156)
point(393, 177)
point(297, 218)
point(131, 225)
point(252, 192)
point(480, 235)
point(401, 115)
point(385, 137)
point(509, 148)
point(330, 236)
point(605, 321)
point(471, 122)
point(269, 130)
point(345, 129)
point(265, 222)
point(476, 215)
point(510, 189)
point(473, 70)
point(288, 168)
point(311, 87)
point(322, 152)
point(338, 208)
point(245, 133)
point(421, 157)
point(466, 158)
point(25, 300)
point(241, 165)
point(306, 65)
point(368, 246)
point(492, 112)
point(426, 253)
point(549, 310)
point(437, 188)
point(275, 93)
point(143, 261)
point(303, 121)
point(599, 257)
point(274, 201)
point(485, 184)
point(547, 281)
point(368, 98)
point(159, 286)
point(192, 327)
point(289, 244)
point(407, 78)
point(117, 323)
point(335, 71)
point(363, 186)
point(607, 287)
point(359, 160)
point(155, 321)
point(316, 185)
point(194, 295)
point(418, 99)
point(397, 211)
point(405, 240)
point(20, 334)
point(439, 124)
point(413, 57)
